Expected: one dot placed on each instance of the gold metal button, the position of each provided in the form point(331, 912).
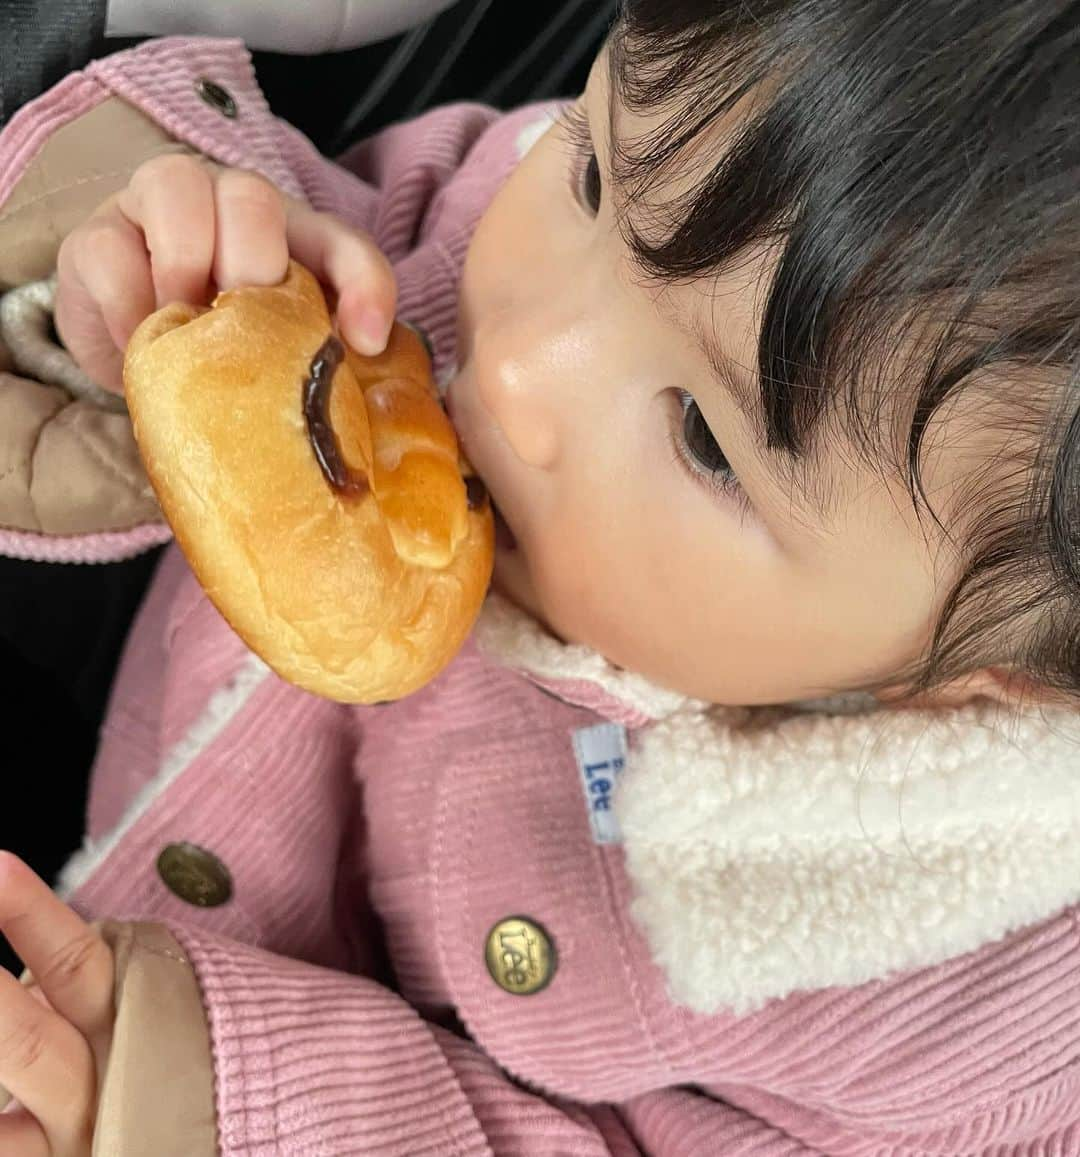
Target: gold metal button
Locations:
point(195, 875)
point(520, 956)
point(216, 97)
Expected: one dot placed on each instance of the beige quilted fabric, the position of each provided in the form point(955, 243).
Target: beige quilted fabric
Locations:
point(66, 465)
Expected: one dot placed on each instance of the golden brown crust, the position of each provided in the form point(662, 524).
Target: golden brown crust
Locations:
point(358, 597)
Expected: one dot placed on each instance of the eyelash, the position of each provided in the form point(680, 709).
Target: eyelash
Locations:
point(720, 485)
point(578, 137)
point(575, 125)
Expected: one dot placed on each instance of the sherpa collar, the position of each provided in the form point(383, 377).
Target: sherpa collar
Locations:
point(778, 850)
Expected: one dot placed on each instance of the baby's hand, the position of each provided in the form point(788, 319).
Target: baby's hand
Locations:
point(184, 229)
point(54, 1034)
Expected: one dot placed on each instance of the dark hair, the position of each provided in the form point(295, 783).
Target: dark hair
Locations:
point(918, 164)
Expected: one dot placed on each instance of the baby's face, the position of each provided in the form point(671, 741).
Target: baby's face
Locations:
point(571, 402)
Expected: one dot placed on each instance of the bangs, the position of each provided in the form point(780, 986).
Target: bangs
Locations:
point(911, 184)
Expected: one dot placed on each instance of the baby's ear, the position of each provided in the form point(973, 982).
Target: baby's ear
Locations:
point(1000, 684)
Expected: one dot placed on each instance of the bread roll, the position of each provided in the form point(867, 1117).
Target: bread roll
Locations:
point(319, 496)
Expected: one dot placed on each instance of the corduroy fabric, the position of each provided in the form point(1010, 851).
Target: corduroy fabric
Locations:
point(399, 835)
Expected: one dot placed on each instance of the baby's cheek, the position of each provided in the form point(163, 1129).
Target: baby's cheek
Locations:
point(588, 594)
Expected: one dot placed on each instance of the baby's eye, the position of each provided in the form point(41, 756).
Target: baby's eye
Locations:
point(700, 455)
point(592, 189)
point(699, 439)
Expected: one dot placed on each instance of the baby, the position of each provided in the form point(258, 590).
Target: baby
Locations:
point(767, 351)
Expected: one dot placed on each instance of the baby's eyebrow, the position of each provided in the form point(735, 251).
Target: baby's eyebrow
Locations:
point(614, 100)
point(614, 86)
point(733, 379)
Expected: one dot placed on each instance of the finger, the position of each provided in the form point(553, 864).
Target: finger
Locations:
point(352, 264)
point(34, 991)
point(251, 247)
point(22, 1136)
point(171, 200)
point(47, 1064)
point(104, 290)
point(84, 334)
point(71, 963)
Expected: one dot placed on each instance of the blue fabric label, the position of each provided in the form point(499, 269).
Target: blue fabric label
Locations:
point(601, 757)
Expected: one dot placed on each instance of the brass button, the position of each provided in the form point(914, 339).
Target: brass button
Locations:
point(195, 875)
point(520, 956)
point(216, 97)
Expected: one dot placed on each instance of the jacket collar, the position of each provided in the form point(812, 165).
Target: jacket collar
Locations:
point(826, 843)
point(575, 673)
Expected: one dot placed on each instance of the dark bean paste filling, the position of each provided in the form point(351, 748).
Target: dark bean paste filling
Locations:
point(324, 441)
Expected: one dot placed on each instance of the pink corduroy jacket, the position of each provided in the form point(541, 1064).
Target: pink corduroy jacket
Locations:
point(822, 929)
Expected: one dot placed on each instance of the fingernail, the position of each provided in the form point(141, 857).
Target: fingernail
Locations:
point(373, 330)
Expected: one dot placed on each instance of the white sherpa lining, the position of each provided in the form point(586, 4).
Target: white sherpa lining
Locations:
point(25, 316)
point(519, 641)
point(224, 705)
point(777, 851)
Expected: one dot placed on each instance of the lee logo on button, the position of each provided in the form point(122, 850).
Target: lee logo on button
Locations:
point(520, 956)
